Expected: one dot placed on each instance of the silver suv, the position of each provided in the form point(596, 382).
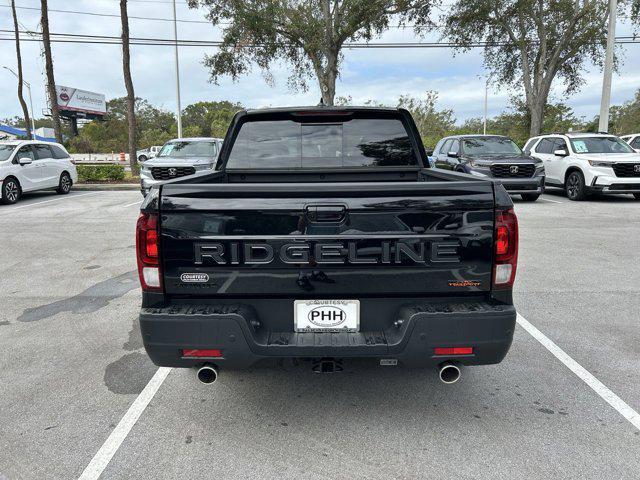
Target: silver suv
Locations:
point(180, 158)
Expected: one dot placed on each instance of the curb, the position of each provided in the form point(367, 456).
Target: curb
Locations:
point(106, 186)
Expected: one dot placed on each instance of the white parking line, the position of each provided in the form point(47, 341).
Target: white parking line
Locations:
point(66, 197)
point(549, 200)
point(131, 204)
point(102, 458)
point(601, 389)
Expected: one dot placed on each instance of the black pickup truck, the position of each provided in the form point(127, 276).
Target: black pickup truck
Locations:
point(323, 235)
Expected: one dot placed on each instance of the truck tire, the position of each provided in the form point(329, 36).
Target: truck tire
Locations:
point(11, 191)
point(575, 187)
point(64, 185)
point(636, 196)
point(530, 197)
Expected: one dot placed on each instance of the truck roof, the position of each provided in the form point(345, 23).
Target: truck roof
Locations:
point(319, 109)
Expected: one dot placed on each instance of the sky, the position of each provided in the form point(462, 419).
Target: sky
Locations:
point(372, 74)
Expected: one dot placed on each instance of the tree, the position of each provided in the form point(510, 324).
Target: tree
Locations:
point(623, 119)
point(212, 118)
point(51, 81)
point(23, 104)
point(307, 34)
point(433, 124)
point(532, 42)
point(627, 117)
point(131, 96)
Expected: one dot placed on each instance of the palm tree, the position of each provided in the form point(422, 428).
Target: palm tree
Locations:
point(131, 96)
point(23, 104)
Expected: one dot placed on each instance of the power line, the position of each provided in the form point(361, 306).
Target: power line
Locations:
point(116, 40)
point(111, 15)
point(160, 19)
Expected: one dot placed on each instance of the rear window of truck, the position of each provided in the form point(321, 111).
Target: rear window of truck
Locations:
point(287, 144)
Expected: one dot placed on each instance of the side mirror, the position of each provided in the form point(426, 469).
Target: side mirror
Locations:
point(453, 154)
point(560, 153)
point(25, 161)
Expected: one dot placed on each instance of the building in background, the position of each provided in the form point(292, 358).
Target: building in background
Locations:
point(7, 132)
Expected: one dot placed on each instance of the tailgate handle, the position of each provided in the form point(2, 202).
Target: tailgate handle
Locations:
point(326, 213)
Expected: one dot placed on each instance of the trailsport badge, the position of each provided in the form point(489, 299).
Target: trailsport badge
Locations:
point(194, 278)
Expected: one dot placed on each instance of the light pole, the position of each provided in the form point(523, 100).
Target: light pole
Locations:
point(605, 100)
point(28, 85)
point(175, 38)
point(486, 104)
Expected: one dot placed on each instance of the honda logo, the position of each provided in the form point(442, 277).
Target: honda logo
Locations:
point(173, 172)
point(636, 168)
point(514, 169)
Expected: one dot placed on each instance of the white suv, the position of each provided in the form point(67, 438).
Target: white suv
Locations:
point(31, 165)
point(584, 163)
point(633, 140)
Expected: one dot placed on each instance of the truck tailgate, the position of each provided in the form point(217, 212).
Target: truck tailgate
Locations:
point(329, 240)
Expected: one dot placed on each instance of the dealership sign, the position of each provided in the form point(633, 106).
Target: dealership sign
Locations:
point(77, 100)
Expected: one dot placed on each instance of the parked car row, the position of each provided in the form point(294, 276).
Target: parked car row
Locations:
point(27, 165)
point(579, 163)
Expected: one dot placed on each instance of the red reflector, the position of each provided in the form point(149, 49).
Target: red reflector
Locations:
point(502, 240)
point(214, 352)
point(453, 351)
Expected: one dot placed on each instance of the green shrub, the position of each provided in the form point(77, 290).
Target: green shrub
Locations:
point(100, 173)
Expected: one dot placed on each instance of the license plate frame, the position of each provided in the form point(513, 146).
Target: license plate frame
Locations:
point(304, 321)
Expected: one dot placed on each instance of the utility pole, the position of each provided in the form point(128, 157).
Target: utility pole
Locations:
point(28, 85)
point(605, 100)
point(175, 38)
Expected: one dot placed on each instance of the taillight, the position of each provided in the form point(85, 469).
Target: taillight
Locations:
point(147, 252)
point(506, 249)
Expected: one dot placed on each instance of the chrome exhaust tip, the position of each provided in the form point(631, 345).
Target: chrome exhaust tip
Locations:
point(207, 374)
point(449, 372)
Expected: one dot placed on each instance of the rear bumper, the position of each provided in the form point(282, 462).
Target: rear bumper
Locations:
point(236, 330)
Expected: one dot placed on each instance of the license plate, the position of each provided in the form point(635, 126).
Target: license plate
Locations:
point(326, 315)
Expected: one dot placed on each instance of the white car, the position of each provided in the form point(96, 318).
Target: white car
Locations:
point(27, 165)
point(633, 140)
point(180, 158)
point(148, 153)
point(584, 163)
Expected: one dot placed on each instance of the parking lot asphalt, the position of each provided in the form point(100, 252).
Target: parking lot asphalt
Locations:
point(72, 364)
